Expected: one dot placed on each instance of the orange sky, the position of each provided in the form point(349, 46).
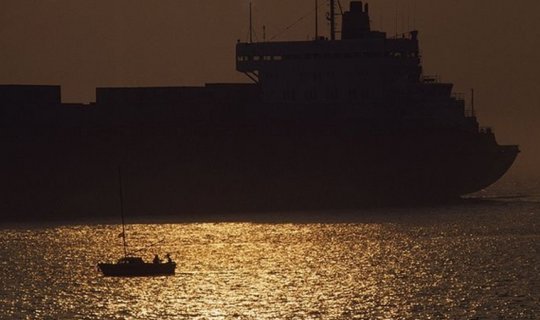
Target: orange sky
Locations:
point(493, 46)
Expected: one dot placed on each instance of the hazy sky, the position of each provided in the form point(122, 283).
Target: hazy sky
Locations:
point(493, 46)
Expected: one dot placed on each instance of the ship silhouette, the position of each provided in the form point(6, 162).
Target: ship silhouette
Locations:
point(325, 124)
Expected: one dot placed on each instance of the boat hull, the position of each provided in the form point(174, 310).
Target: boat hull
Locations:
point(137, 270)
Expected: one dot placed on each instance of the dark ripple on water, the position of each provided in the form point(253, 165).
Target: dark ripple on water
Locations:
point(462, 262)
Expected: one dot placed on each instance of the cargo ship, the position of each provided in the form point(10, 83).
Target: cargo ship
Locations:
point(332, 123)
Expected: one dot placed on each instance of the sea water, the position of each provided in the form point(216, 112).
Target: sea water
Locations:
point(479, 259)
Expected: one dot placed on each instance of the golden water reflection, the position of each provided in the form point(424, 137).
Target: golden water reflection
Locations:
point(274, 271)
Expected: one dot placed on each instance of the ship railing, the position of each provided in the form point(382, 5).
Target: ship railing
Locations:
point(458, 96)
point(410, 35)
point(470, 113)
point(486, 130)
point(431, 79)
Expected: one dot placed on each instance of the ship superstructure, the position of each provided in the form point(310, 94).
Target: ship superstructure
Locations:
point(366, 74)
point(406, 134)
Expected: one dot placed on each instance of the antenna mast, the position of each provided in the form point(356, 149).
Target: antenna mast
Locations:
point(472, 103)
point(332, 19)
point(250, 23)
point(316, 19)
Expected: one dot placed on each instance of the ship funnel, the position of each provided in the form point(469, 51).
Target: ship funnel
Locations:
point(356, 21)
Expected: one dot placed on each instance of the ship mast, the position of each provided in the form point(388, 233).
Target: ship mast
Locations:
point(316, 19)
point(250, 23)
point(332, 19)
point(473, 111)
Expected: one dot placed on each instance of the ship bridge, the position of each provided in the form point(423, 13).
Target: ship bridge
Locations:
point(356, 67)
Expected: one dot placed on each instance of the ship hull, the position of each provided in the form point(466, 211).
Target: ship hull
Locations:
point(329, 172)
point(250, 170)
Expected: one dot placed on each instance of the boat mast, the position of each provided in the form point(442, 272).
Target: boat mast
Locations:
point(121, 195)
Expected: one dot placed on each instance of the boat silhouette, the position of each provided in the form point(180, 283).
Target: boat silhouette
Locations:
point(136, 267)
point(130, 265)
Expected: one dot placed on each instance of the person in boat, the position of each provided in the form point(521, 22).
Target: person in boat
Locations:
point(168, 256)
point(157, 260)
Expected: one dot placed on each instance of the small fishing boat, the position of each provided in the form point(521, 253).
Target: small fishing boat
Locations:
point(136, 267)
point(133, 266)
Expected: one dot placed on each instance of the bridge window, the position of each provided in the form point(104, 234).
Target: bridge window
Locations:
point(397, 54)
